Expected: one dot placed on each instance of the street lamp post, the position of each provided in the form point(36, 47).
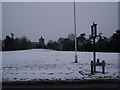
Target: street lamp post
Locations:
point(76, 61)
point(94, 35)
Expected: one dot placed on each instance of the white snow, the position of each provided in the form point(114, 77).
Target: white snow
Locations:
point(43, 64)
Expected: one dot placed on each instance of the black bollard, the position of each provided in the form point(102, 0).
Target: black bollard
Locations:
point(103, 67)
point(98, 61)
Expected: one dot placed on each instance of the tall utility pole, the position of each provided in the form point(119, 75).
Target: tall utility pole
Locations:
point(76, 61)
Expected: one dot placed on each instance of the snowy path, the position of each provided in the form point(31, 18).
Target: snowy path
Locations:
point(40, 64)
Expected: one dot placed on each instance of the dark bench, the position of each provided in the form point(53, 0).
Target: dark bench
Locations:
point(103, 64)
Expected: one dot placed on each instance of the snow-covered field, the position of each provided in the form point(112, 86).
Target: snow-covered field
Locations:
point(43, 64)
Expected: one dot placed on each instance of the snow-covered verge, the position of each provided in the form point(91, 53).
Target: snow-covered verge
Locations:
point(43, 64)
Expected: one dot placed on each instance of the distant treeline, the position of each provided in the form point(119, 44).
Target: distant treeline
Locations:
point(103, 44)
point(11, 43)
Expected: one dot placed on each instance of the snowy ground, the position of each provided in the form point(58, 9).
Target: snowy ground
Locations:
point(41, 64)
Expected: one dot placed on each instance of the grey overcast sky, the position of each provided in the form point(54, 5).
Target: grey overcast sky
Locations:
point(53, 20)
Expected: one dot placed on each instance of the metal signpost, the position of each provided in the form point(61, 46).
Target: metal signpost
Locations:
point(94, 35)
point(94, 63)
